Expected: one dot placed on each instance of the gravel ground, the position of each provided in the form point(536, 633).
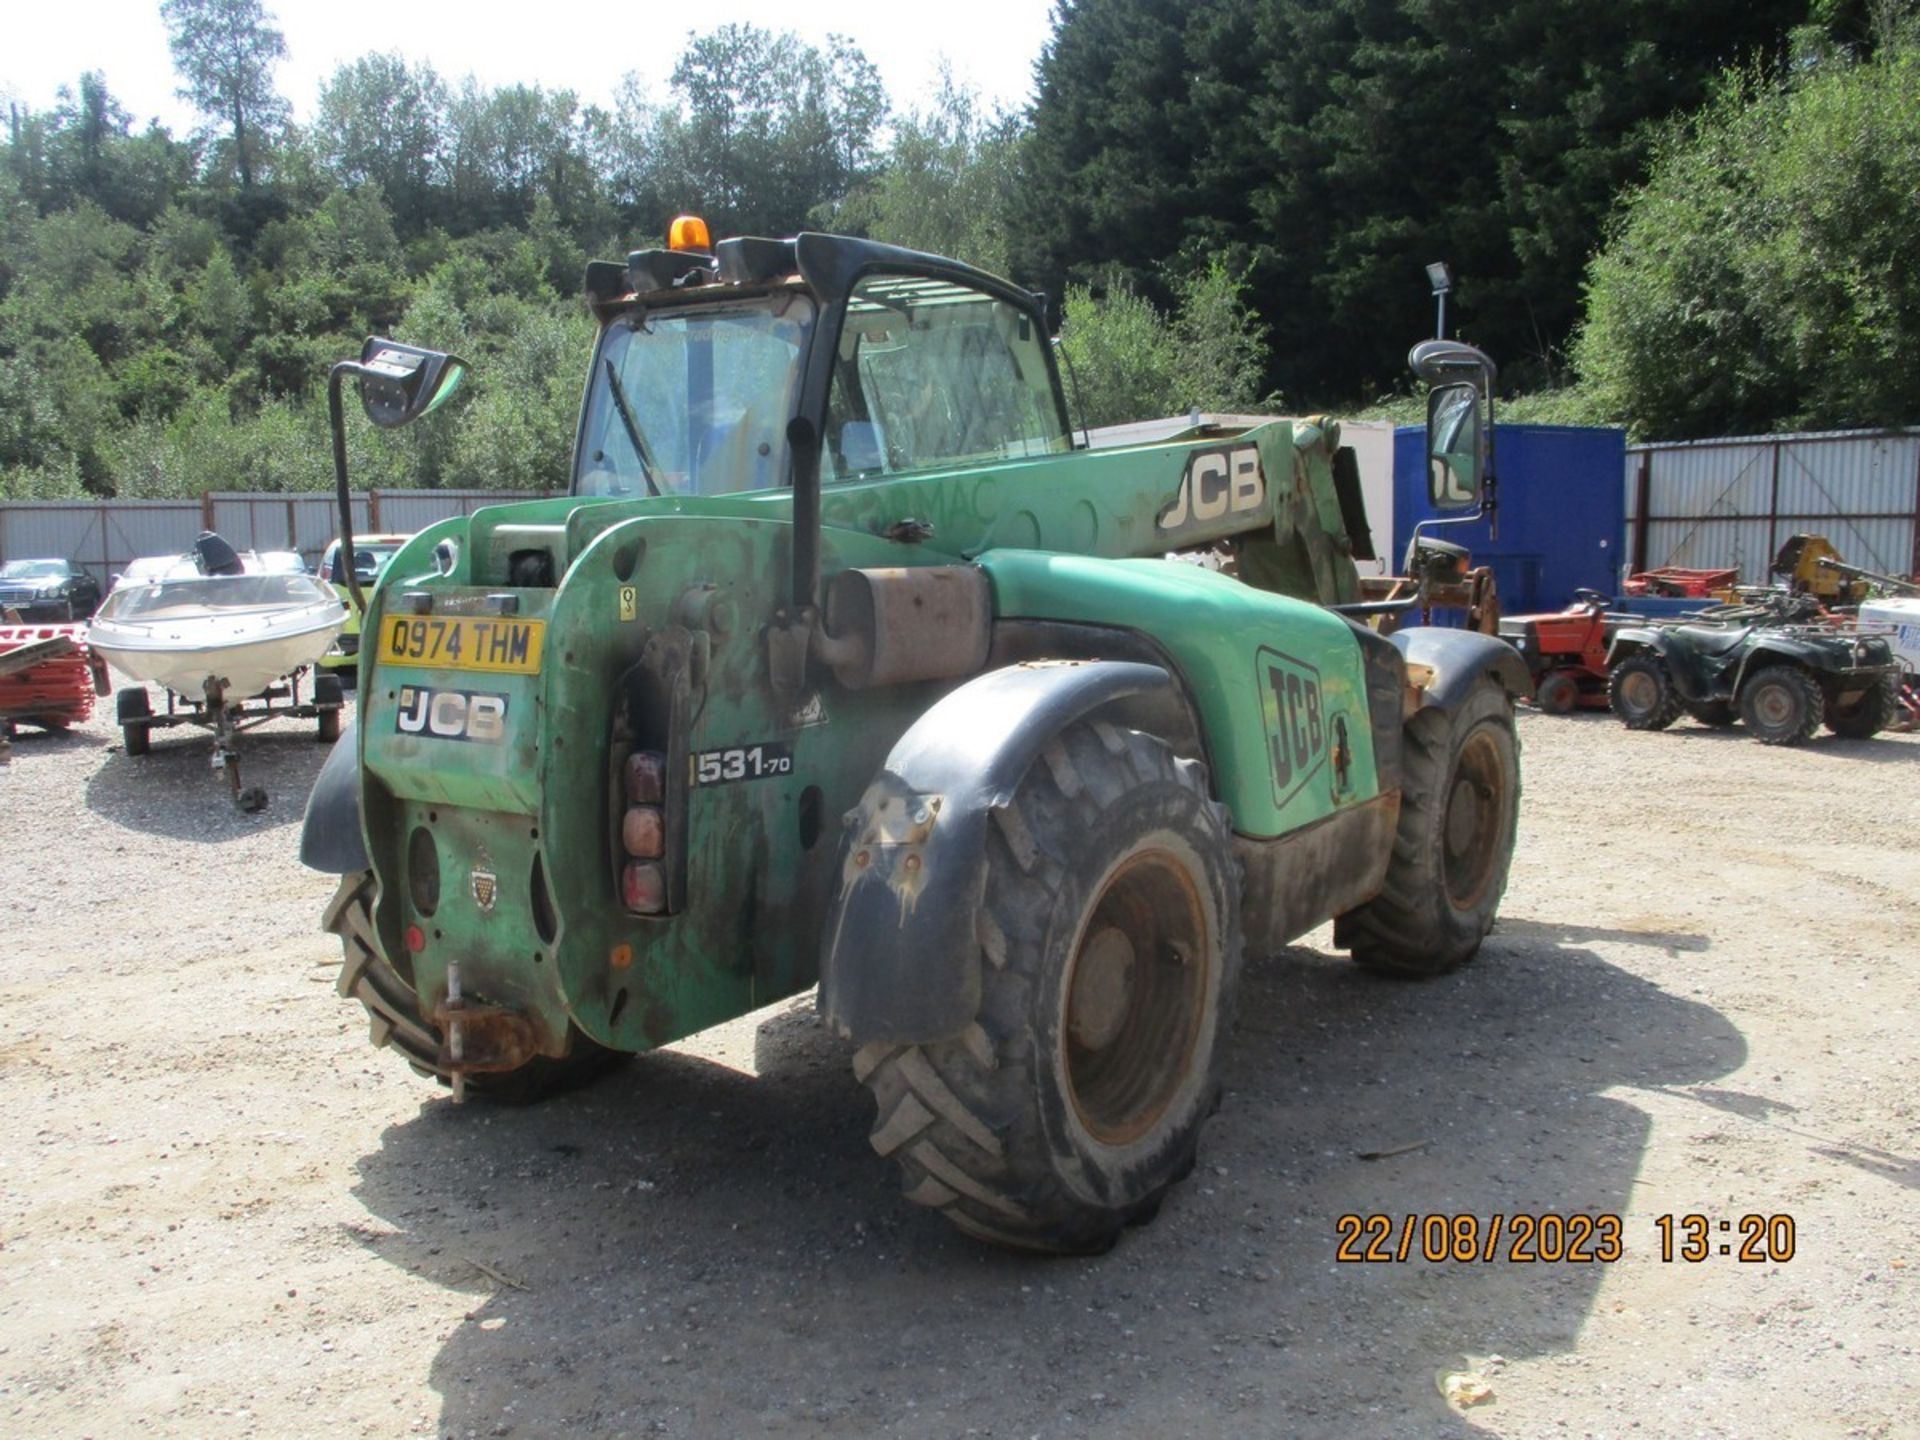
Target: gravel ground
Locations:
point(223, 1214)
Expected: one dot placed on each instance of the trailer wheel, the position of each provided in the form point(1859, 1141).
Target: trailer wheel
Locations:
point(1109, 942)
point(1866, 716)
point(393, 1010)
point(328, 696)
point(134, 709)
point(1642, 694)
point(1459, 804)
point(1781, 704)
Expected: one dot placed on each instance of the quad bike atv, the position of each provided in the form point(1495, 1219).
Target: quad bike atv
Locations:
point(841, 664)
point(1775, 666)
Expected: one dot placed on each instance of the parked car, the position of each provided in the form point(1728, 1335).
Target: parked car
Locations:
point(47, 590)
point(370, 556)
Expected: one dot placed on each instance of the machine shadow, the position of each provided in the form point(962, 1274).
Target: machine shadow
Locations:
point(705, 1252)
point(173, 792)
point(1887, 748)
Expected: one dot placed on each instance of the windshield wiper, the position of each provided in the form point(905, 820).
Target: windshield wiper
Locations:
point(627, 418)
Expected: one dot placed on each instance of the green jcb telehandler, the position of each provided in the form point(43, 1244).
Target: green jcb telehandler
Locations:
point(841, 663)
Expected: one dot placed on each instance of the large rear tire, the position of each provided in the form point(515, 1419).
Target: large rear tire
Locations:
point(1781, 704)
point(393, 1011)
point(1109, 946)
point(1867, 716)
point(1459, 808)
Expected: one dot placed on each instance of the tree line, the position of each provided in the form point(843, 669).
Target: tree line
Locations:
point(1685, 215)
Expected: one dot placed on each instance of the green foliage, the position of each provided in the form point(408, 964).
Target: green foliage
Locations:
point(377, 126)
point(1128, 361)
point(1118, 356)
point(1328, 149)
point(1232, 196)
point(283, 446)
point(1763, 277)
point(225, 51)
point(948, 183)
point(1220, 344)
point(767, 128)
point(169, 311)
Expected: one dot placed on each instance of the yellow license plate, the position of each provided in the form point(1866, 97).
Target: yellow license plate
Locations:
point(460, 642)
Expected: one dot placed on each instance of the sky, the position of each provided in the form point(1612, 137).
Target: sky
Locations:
point(585, 47)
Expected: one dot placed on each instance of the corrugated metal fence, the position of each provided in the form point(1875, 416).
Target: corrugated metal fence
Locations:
point(104, 535)
point(1709, 504)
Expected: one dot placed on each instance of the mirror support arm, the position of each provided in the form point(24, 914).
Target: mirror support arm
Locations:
point(337, 421)
point(1490, 486)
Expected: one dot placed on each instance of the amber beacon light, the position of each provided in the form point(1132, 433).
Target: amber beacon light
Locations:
point(689, 232)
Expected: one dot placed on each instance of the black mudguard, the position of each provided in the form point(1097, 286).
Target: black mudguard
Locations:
point(899, 959)
point(330, 837)
point(1458, 658)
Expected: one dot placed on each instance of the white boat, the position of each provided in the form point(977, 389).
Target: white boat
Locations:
point(1899, 617)
point(240, 621)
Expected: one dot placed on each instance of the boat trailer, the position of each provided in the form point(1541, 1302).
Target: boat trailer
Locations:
point(228, 718)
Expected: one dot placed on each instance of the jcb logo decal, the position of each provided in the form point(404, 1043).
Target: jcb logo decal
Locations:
point(1290, 702)
point(452, 714)
point(1217, 483)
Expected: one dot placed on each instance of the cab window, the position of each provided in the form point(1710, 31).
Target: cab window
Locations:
point(931, 374)
point(694, 401)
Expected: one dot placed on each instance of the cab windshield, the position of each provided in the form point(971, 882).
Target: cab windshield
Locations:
point(694, 401)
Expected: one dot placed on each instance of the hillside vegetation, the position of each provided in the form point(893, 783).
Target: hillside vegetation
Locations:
point(1686, 215)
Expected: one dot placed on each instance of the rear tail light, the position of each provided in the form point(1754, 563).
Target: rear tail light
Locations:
point(646, 777)
point(643, 833)
point(643, 887)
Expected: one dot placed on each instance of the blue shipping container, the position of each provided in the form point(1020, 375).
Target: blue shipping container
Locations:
point(1562, 511)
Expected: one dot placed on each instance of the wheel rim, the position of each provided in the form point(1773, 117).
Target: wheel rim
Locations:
point(1773, 706)
point(1476, 813)
point(1135, 996)
point(1639, 692)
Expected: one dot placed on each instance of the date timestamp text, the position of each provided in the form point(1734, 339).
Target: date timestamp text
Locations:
point(1550, 1239)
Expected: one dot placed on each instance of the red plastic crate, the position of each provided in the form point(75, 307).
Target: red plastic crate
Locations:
point(58, 691)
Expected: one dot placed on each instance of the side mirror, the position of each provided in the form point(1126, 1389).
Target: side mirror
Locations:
point(1456, 447)
point(400, 383)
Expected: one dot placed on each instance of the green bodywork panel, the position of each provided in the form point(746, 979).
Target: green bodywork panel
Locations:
point(1237, 648)
point(690, 586)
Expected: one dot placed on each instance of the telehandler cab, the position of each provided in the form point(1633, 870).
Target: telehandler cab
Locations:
point(842, 664)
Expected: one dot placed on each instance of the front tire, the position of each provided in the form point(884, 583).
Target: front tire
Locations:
point(1459, 810)
point(393, 1011)
point(1109, 947)
point(1557, 693)
point(1781, 704)
point(1641, 692)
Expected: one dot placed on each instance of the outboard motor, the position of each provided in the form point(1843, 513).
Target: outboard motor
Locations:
point(216, 556)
